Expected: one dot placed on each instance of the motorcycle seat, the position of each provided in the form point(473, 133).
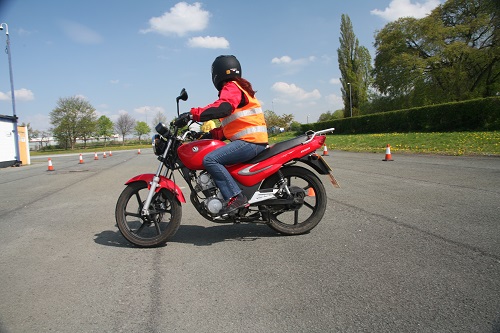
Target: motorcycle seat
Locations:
point(278, 148)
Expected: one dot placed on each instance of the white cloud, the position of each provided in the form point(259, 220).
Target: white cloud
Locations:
point(287, 60)
point(114, 81)
point(209, 42)
point(335, 80)
point(335, 101)
point(149, 109)
point(80, 96)
point(405, 8)
point(282, 60)
point(292, 66)
point(181, 19)
point(293, 92)
point(20, 95)
point(80, 33)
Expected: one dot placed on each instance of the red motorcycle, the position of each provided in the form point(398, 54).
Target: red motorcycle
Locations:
point(283, 194)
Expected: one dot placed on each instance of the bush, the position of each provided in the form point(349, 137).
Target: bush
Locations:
point(472, 115)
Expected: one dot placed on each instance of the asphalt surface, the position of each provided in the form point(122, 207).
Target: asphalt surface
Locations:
point(411, 245)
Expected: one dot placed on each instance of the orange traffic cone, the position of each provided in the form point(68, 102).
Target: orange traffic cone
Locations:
point(310, 192)
point(51, 167)
point(110, 153)
point(81, 159)
point(388, 156)
point(138, 151)
point(104, 155)
point(95, 156)
point(325, 150)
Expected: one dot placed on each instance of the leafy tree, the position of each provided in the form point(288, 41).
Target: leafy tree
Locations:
point(273, 120)
point(329, 115)
point(141, 128)
point(104, 128)
point(71, 119)
point(355, 68)
point(453, 54)
point(124, 125)
point(87, 124)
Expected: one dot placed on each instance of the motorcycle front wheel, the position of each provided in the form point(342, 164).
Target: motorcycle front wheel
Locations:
point(302, 218)
point(152, 230)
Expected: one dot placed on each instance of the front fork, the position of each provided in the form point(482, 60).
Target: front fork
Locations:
point(156, 180)
point(152, 190)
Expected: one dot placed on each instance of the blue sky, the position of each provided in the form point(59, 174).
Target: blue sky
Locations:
point(135, 56)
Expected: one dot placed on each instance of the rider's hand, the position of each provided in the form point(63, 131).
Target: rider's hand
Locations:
point(183, 119)
point(200, 135)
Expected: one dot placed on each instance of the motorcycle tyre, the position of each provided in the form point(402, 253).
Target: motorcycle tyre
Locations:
point(173, 225)
point(319, 209)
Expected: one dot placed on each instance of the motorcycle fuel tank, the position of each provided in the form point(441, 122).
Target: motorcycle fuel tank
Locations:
point(191, 154)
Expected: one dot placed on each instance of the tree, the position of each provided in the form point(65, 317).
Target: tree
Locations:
point(273, 120)
point(124, 125)
point(104, 128)
point(355, 68)
point(331, 115)
point(87, 126)
point(71, 119)
point(159, 118)
point(141, 128)
point(450, 55)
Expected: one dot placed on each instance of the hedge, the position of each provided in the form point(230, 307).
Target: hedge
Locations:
point(472, 115)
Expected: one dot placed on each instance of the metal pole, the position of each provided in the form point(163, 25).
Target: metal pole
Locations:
point(350, 97)
point(16, 135)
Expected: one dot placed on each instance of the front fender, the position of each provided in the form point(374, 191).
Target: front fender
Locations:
point(164, 183)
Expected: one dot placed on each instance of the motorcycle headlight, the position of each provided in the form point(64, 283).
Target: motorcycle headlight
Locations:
point(159, 145)
point(162, 129)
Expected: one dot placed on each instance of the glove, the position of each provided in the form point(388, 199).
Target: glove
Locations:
point(200, 135)
point(203, 135)
point(183, 119)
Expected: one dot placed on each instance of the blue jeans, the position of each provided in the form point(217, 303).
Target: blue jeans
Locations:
point(234, 152)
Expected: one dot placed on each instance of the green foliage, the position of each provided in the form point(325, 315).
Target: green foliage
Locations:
point(473, 115)
point(355, 68)
point(141, 128)
point(329, 115)
point(273, 120)
point(74, 117)
point(453, 54)
point(104, 128)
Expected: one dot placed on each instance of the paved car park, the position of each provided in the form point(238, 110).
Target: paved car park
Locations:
point(411, 245)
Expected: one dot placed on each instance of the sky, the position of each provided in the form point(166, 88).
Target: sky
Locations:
point(135, 56)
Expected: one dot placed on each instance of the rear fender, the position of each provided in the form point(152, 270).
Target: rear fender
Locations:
point(164, 183)
point(317, 163)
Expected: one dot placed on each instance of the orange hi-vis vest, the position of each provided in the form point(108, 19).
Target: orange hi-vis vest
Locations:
point(246, 123)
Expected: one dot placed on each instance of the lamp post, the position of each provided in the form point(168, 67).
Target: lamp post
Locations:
point(350, 97)
point(7, 49)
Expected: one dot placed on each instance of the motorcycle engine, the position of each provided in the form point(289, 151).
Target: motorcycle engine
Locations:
point(214, 200)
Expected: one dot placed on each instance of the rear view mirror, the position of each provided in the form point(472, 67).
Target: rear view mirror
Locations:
point(183, 95)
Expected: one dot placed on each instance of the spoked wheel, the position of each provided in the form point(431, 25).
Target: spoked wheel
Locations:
point(308, 208)
point(152, 230)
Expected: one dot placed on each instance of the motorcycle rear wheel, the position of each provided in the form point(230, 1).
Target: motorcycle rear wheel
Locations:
point(304, 219)
point(147, 231)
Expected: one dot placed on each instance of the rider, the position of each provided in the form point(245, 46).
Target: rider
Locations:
point(242, 123)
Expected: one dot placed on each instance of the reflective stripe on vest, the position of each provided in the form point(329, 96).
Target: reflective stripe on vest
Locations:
point(246, 123)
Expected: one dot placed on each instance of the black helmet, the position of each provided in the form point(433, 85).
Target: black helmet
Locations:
point(224, 68)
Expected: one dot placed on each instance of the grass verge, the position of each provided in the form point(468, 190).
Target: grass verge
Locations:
point(453, 143)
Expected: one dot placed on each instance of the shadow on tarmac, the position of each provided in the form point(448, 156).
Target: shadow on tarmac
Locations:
point(198, 235)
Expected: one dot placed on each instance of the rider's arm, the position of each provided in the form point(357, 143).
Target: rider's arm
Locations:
point(229, 98)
